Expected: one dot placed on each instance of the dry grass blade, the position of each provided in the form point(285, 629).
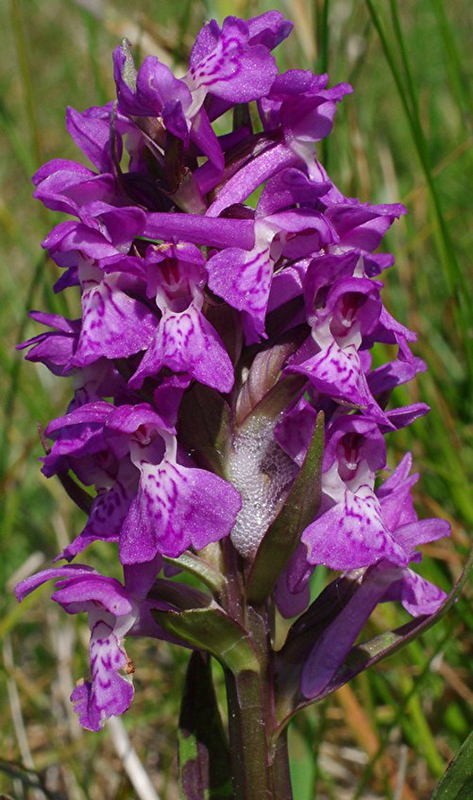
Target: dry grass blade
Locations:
point(16, 713)
point(131, 763)
point(366, 736)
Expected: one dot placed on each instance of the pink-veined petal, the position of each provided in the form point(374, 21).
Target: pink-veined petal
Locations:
point(176, 507)
point(352, 534)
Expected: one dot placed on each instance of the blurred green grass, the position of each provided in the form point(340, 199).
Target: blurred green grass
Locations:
point(405, 134)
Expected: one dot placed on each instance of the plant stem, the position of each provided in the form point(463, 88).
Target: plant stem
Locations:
point(260, 765)
point(248, 737)
point(259, 758)
point(258, 751)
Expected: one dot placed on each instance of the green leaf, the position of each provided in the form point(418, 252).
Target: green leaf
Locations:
point(457, 782)
point(204, 759)
point(284, 534)
point(212, 630)
point(200, 568)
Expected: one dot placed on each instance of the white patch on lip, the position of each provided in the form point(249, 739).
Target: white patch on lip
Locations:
point(262, 472)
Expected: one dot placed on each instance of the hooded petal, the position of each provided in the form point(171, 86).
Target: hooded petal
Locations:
point(243, 278)
point(156, 86)
point(66, 186)
point(52, 348)
point(92, 134)
point(269, 29)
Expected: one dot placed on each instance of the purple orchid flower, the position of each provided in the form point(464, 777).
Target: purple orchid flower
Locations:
point(361, 527)
point(114, 323)
point(380, 583)
point(104, 231)
point(354, 452)
point(300, 103)
point(184, 341)
point(243, 277)
point(152, 502)
point(226, 413)
point(269, 29)
point(154, 92)
point(342, 310)
point(91, 133)
point(112, 611)
point(66, 186)
point(301, 110)
point(226, 63)
point(176, 507)
point(385, 580)
point(53, 348)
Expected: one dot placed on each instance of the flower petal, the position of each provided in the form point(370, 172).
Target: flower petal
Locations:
point(176, 507)
point(243, 278)
point(234, 70)
point(108, 512)
point(56, 573)
point(114, 325)
point(187, 342)
point(108, 694)
point(92, 134)
point(338, 373)
point(417, 595)
point(352, 534)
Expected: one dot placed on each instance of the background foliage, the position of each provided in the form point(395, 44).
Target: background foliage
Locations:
point(406, 134)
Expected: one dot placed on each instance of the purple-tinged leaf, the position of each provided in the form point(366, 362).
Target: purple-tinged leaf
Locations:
point(264, 372)
point(203, 754)
point(333, 646)
point(361, 656)
point(304, 632)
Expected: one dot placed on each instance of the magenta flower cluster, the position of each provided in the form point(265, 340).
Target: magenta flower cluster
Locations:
point(184, 280)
